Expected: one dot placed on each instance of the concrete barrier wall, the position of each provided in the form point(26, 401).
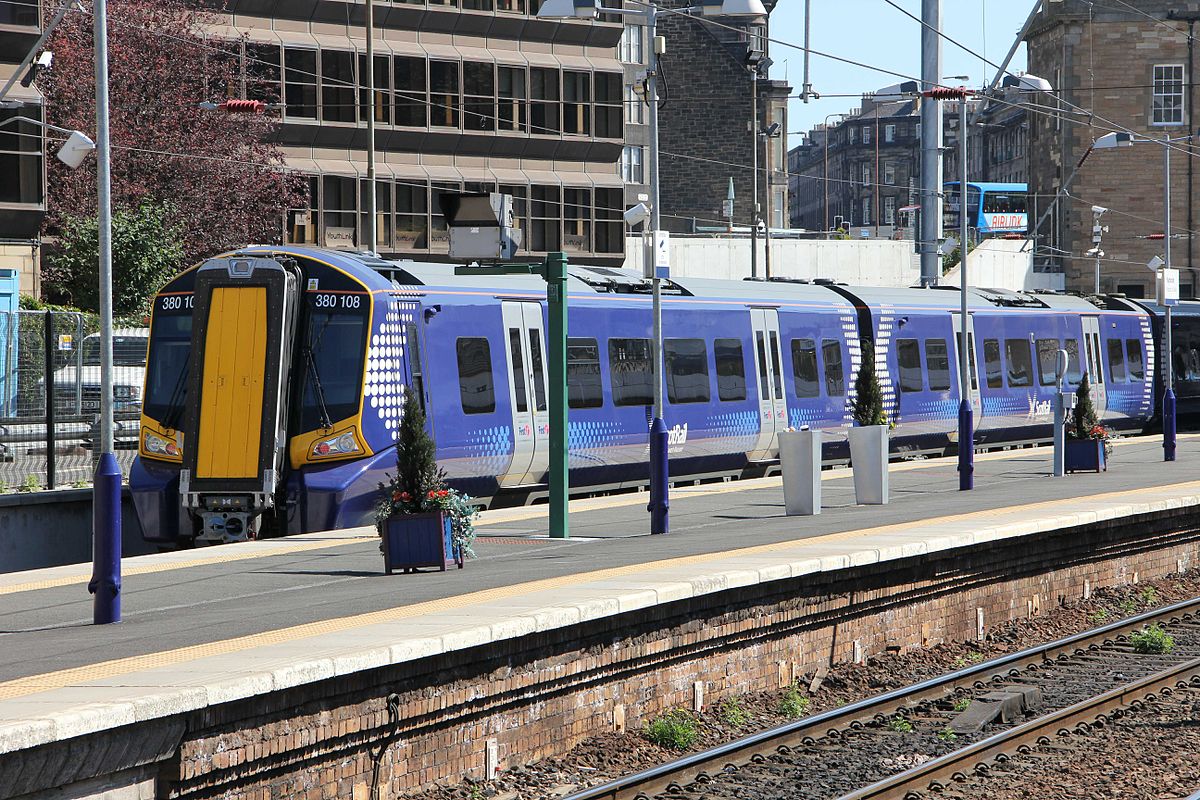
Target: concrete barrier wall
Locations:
point(49, 529)
point(997, 263)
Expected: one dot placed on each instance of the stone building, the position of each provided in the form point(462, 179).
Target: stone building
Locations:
point(22, 168)
point(1115, 67)
point(707, 135)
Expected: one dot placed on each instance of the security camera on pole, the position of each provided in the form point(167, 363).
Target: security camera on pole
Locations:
point(1098, 232)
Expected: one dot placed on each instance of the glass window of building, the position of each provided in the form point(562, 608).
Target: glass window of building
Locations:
point(544, 105)
point(443, 94)
point(631, 48)
point(477, 5)
point(546, 219)
point(511, 6)
point(889, 211)
point(513, 99)
point(261, 72)
point(338, 210)
point(412, 94)
point(302, 222)
point(609, 119)
point(383, 213)
point(1167, 103)
point(632, 164)
point(577, 103)
point(20, 157)
point(300, 83)
point(635, 109)
point(889, 133)
point(412, 218)
point(577, 219)
point(479, 93)
point(439, 234)
point(337, 86)
point(610, 227)
point(383, 96)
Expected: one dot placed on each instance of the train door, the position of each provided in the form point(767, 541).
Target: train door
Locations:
point(1095, 370)
point(976, 402)
point(524, 344)
point(772, 405)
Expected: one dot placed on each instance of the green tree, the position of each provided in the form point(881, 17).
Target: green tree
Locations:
point(867, 407)
point(1083, 418)
point(417, 472)
point(147, 250)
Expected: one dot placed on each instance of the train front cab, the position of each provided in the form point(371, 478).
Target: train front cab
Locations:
point(254, 415)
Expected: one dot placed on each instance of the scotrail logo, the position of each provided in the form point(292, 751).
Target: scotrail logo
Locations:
point(677, 436)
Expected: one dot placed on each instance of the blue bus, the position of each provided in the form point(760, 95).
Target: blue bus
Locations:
point(993, 208)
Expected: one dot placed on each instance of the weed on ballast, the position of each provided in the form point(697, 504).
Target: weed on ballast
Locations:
point(793, 704)
point(947, 735)
point(675, 729)
point(962, 704)
point(1149, 596)
point(733, 712)
point(1151, 641)
point(900, 725)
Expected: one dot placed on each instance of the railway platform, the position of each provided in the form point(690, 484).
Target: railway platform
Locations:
point(252, 668)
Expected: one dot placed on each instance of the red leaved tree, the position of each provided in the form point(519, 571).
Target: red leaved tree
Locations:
point(219, 173)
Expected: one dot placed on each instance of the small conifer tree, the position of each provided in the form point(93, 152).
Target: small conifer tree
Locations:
point(867, 407)
point(417, 472)
point(1083, 418)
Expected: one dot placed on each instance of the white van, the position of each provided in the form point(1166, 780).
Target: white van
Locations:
point(77, 386)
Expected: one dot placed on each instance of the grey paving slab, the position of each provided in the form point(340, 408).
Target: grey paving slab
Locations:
point(49, 629)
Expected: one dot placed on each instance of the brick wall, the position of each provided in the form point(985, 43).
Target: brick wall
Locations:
point(540, 695)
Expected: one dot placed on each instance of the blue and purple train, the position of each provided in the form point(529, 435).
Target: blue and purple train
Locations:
point(275, 377)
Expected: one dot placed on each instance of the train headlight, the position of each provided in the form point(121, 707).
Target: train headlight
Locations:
point(159, 446)
point(340, 445)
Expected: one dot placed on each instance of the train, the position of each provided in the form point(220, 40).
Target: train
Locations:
point(276, 377)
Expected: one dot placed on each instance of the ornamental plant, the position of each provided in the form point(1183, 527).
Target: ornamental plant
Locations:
point(867, 406)
point(419, 485)
point(1084, 423)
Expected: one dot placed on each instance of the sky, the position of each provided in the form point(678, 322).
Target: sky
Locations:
point(875, 33)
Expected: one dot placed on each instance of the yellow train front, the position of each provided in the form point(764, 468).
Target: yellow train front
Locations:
point(252, 421)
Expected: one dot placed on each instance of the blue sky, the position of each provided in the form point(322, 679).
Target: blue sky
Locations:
point(873, 32)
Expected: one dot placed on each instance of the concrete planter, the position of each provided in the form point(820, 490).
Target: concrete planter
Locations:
point(869, 457)
point(800, 461)
point(419, 540)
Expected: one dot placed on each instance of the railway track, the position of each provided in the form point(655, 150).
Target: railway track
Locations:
point(939, 731)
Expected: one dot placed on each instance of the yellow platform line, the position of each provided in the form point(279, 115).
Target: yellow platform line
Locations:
point(33, 684)
point(231, 554)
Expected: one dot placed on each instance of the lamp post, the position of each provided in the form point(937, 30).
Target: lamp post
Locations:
point(1111, 140)
point(588, 9)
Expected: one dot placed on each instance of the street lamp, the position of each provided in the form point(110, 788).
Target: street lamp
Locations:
point(73, 150)
point(1121, 139)
point(589, 9)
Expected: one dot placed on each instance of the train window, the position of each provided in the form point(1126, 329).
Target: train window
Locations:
point(1020, 365)
point(687, 370)
point(583, 374)
point(539, 379)
point(630, 371)
point(1073, 373)
point(1047, 350)
point(475, 384)
point(1116, 361)
point(518, 369)
point(804, 367)
point(1133, 348)
point(333, 376)
point(167, 367)
point(908, 357)
point(937, 362)
point(731, 369)
point(835, 376)
point(414, 363)
point(764, 390)
point(775, 370)
point(993, 367)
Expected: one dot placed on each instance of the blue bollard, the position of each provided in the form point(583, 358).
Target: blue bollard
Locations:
point(1169, 425)
point(660, 504)
point(966, 448)
point(106, 542)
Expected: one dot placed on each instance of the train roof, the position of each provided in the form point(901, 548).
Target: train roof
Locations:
point(1186, 308)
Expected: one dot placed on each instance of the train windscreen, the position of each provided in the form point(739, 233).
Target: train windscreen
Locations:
point(331, 360)
point(167, 363)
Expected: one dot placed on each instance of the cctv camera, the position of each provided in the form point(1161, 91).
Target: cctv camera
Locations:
point(637, 215)
point(1098, 210)
point(772, 130)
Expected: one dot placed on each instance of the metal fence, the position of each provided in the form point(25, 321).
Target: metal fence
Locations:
point(44, 443)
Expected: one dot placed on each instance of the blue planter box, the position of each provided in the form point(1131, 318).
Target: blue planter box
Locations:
point(411, 541)
point(1085, 454)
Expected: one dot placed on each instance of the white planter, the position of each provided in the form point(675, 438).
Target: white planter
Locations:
point(869, 457)
point(800, 461)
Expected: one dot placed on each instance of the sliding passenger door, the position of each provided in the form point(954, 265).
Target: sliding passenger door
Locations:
point(772, 402)
point(1095, 371)
point(524, 345)
point(976, 402)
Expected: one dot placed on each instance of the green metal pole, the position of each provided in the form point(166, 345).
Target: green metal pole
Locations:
point(556, 306)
